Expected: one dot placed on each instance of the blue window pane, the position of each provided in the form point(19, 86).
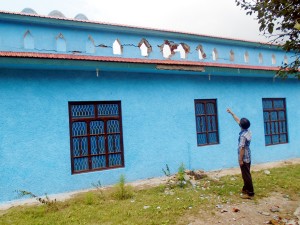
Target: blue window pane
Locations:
point(267, 128)
point(281, 115)
point(81, 164)
point(283, 138)
point(115, 160)
point(82, 111)
point(267, 104)
point(114, 143)
point(274, 116)
point(201, 139)
point(266, 116)
point(98, 162)
point(97, 127)
point(282, 127)
point(210, 108)
point(108, 110)
point(79, 129)
point(278, 103)
point(200, 124)
point(199, 108)
point(275, 139)
point(213, 123)
point(268, 140)
point(80, 146)
point(273, 128)
point(212, 138)
point(97, 145)
point(113, 126)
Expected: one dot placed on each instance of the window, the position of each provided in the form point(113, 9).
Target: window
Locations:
point(28, 40)
point(275, 122)
point(95, 136)
point(117, 47)
point(215, 55)
point(201, 52)
point(206, 122)
point(166, 51)
point(246, 57)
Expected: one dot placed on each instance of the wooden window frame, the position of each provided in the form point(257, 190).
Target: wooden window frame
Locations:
point(207, 115)
point(277, 123)
point(88, 120)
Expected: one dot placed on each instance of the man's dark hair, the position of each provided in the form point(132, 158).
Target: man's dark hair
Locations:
point(244, 123)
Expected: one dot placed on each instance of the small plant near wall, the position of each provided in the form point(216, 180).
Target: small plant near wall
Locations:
point(121, 190)
point(181, 176)
point(167, 171)
point(99, 188)
point(43, 200)
point(178, 179)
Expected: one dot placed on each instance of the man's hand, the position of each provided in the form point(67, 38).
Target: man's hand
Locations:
point(241, 162)
point(234, 116)
point(229, 111)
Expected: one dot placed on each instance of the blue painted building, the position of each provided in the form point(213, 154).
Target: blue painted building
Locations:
point(83, 101)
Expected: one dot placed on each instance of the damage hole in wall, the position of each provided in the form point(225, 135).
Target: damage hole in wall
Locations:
point(246, 57)
point(61, 45)
point(183, 50)
point(145, 47)
point(201, 52)
point(28, 40)
point(168, 48)
point(117, 47)
point(215, 55)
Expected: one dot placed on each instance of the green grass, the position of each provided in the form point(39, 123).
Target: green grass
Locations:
point(154, 205)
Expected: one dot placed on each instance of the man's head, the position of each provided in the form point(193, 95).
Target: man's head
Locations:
point(244, 123)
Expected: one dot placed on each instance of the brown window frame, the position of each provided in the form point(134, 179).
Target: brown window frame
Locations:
point(279, 124)
point(208, 126)
point(109, 139)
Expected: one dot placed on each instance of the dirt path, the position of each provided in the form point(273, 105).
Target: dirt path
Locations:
point(277, 209)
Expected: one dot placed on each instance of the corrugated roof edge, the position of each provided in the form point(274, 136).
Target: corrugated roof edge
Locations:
point(136, 27)
point(129, 60)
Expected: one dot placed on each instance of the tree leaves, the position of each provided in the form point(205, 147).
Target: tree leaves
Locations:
point(279, 16)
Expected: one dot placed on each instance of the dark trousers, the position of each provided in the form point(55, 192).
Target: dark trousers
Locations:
point(248, 186)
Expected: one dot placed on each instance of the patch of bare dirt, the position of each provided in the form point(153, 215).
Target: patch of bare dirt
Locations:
point(277, 209)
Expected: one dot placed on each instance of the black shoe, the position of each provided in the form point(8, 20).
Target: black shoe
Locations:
point(245, 196)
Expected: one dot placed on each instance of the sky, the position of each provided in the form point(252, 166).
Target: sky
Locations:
point(221, 18)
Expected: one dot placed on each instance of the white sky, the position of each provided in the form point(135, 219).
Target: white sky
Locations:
point(208, 17)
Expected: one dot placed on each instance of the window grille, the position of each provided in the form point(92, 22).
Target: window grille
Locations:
point(206, 122)
point(275, 121)
point(95, 136)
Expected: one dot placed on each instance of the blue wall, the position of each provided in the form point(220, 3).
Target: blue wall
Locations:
point(158, 124)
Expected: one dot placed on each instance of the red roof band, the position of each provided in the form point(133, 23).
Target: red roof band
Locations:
point(129, 60)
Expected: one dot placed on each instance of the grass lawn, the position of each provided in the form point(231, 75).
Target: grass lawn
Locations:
point(164, 204)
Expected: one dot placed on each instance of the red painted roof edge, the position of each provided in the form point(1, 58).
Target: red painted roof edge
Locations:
point(136, 27)
point(130, 60)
